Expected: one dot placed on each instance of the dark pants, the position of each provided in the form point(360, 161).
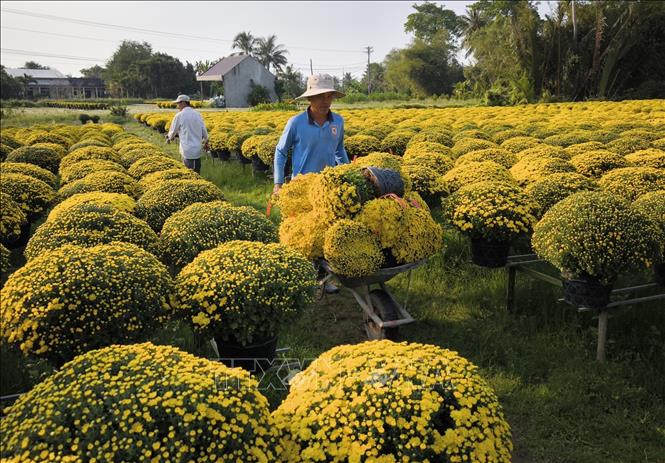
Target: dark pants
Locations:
point(194, 164)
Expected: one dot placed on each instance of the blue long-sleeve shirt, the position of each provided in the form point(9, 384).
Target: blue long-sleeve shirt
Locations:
point(314, 146)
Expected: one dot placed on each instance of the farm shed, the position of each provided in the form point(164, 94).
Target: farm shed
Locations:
point(238, 73)
point(51, 83)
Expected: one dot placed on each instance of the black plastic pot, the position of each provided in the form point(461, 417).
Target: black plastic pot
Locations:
point(385, 181)
point(491, 254)
point(253, 357)
point(587, 292)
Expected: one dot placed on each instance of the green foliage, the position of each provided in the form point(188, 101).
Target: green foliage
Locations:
point(257, 95)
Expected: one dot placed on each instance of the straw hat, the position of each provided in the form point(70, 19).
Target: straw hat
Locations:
point(181, 98)
point(318, 84)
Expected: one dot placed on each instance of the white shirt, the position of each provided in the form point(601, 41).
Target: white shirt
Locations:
point(191, 130)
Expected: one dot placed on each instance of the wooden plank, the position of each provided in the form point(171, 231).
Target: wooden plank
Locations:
point(540, 276)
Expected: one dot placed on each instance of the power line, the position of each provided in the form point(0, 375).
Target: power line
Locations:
point(80, 37)
point(12, 51)
point(149, 31)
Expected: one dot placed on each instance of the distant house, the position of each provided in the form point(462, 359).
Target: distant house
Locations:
point(238, 73)
point(51, 83)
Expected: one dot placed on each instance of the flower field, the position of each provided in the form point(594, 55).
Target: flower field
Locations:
point(119, 264)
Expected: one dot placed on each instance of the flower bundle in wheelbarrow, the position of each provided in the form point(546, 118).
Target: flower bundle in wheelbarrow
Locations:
point(359, 219)
point(364, 226)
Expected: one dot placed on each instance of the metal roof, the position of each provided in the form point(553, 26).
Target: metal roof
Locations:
point(223, 67)
point(36, 73)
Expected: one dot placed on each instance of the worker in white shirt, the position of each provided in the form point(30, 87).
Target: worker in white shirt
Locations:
point(190, 128)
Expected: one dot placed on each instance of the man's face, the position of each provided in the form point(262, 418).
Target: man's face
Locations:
point(181, 105)
point(321, 103)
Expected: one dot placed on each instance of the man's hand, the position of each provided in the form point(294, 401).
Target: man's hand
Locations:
point(276, 188)
point(206, 145)
point(168, 140)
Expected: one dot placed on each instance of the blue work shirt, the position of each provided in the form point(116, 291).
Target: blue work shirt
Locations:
point(314, 147)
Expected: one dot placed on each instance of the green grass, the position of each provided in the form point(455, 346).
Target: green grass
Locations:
point(563, 407)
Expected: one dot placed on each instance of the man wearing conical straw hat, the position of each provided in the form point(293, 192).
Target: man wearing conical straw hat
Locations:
point(316, 135)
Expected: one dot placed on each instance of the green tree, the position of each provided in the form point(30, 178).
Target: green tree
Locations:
point(376, 80)
point(34, 65)
point(269, 53)
point(430, 19)
point(9, 86)
point(95, 71)
point(290, 83)
point(122, 73)
point(245, 42)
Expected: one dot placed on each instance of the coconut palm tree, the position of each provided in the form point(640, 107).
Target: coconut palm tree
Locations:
point(245, 42)
point(473, 21)
point(268, 52)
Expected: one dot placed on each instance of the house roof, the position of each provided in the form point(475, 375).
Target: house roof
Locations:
point(36, 73)
point(223, 67)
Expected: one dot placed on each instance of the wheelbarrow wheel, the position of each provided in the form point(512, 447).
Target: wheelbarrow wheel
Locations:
point(385, 308)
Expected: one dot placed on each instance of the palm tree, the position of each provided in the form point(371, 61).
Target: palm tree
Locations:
point(245, 42)
point(268, 52)
point(474, 20)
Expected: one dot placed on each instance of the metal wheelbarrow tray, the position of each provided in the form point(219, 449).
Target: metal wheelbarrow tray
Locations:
point(382, 314)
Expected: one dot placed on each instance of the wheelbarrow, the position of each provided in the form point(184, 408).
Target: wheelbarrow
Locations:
point(382, 314)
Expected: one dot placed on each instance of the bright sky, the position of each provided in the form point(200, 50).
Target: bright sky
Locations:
point(69, 36)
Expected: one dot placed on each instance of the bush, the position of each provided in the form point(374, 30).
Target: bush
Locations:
point(140, 403)
point(305, 232)
point(106, 181)
point(339, 192)
point(352, 249)
point(426, 147)
point(405, 229)
point(90, 224)
point(650, 157)
point(533, 169)
point(244, 291)
point(440, 137)
point(74, 299)
point(425, 180)
point(628, 144)
point(472, 172)
point(381, 160)
point(493, 211)
point(31, 170)
point(47, 137)
point(595, 234)
point(42, 157)
point(595, 163)
point(439, 163)
point(266, 149)
point(168, 197)
point(80, 169)
point(501, 156)
point(653, 206)
point(119, 111)
point(83, 118)
point(361, 145)
point(10, 141)
point(119, 201)
point(11, 219)
point(633, 182)
point(150, 164)
point(60, 150)
point(32, 195)
point(258, 94)
point(203, 226)
point(5, 263)
point(383, 401)
point(466, 145)
point(396, 142)
point(518, 144)
point(581, 148)
point(549, 190)
point(177, 173)
point(88, 153)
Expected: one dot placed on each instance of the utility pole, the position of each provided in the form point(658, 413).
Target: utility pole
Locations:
point(311, 69)
point(369, 87)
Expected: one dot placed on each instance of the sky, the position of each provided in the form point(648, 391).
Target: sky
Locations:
point(69, 36)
